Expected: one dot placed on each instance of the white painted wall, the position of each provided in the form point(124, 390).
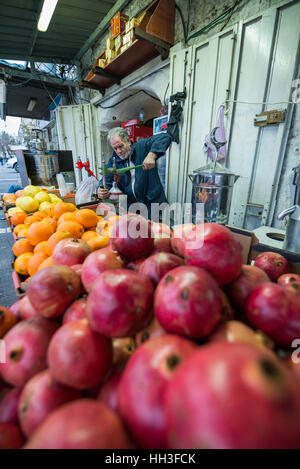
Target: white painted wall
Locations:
point(256, 60)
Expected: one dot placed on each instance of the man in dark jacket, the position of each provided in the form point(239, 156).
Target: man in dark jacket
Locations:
point(142, 184)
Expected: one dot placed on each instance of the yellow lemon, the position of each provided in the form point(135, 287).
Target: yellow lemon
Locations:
point(31, 191)
point(42, 196)
point(28, 204)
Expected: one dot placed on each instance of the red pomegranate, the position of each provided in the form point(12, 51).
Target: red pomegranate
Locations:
point(288, 279)
point(15, 308)
point(79, 357)
point(26, 310)
point(78, 270)
point(52, 289)
point(131, 236)
point(143, 386)
point(157, 265)
point(123, 348)
point(70, 251)
point(233, 396)
point(7, 320)
point(188, 302)
point(135, 265)
point(10, 436)
point(26, 347)
point(77, 310)
point(9, 406)
point(83, 424)
point(273, 264)
point(98, 262)
point(236, 331)
point(151, 331)
point(239, 290)
point(213, 248)
point(120, 303)
point(160, 229)
point(227, 309)
point(161, 244)
point(40, 396)
point(109, 391)
point(275, 310)
point(179, 235)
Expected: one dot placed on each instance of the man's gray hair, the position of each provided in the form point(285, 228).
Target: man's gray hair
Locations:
point(117, 132)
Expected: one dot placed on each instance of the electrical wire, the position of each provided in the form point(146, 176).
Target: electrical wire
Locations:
point(215, 21)
point(20, 84)
point(166, 93)
point(149, 94)
point(127, 97)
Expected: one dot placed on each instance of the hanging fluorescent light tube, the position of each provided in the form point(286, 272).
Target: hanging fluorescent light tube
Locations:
point(31, 104)
point(46, 14)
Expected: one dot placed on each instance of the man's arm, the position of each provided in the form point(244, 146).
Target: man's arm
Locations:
point(157, 147)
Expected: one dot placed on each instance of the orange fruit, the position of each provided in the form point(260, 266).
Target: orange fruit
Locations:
point(19, 193)
point(52, 221)
point(11, 198)
point(23, 232)
point(19, 228)
point(45, 263)
point(35, 262)
point(54, 239)
point(63, 207)
point(98, 242)
point(68, 216)
point(73, 227)
point(86, 217)
point(21, 246)
point(113, 219)
point(49, 210)
point(88, 235)
point(41, 247)
point(102, 225)
point(18, 218)
point(21, 263)
point(39, 231)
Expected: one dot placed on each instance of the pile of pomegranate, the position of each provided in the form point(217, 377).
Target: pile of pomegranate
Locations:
point(163, 341)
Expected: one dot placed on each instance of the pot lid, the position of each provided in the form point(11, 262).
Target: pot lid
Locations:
point(215, 168)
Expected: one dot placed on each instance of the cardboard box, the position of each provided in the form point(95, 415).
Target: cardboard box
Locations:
point(123, 48)
point(109, 54)
point(133, 23)
point(118, 43)
point(118, 24)
point(129, 37)
point(101, 63)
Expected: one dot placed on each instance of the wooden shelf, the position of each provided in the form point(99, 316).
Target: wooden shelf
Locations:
point(143, 49)
point(154, 36)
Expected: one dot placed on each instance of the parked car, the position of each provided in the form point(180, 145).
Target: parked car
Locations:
point(13, 163)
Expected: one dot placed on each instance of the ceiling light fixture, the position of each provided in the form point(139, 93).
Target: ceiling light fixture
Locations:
point(31, 104)
point(46, 14)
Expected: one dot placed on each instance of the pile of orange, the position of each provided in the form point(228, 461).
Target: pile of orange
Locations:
point(38, 233)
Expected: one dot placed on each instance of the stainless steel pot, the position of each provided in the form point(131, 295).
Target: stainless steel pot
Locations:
point(292, 236)
point(212, 186)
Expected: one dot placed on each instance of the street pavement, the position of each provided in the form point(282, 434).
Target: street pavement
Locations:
point(8, 296)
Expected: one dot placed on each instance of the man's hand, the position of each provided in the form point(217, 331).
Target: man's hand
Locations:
point(149, 161)
point(103, 193)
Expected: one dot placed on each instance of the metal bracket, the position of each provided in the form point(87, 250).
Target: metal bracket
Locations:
point(269, 118)
point(163, 47)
